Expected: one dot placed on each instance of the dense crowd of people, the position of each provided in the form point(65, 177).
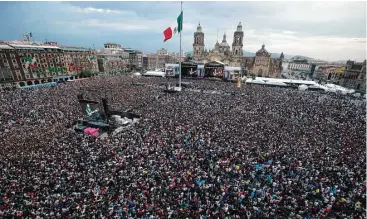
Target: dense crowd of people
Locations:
point(250, 152)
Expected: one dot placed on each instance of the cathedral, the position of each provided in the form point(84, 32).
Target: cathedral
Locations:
point(260, 65)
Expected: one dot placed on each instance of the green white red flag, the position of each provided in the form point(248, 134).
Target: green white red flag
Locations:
point(173, 29)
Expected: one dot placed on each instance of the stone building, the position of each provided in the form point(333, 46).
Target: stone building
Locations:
point(354, 76)
point(299, 64)
point(135, 59)
point(263, 65)
point(162, 52)
point(329, 73)
point(260, 65)
point(297, 69)
point(112, 58)
point(162, 57)
point(34, 63)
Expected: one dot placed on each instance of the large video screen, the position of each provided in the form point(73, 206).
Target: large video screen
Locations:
point(90, 109)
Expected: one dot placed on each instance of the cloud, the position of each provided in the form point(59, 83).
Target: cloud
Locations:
point(327, 30)
point(289, 32)
point(117, 20)
point(322, 47)
point(98, 10)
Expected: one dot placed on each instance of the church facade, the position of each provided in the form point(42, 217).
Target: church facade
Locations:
point(260, 65)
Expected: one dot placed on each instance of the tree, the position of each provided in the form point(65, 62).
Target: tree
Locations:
point(188, 58)
point(5, 74)
point(85, 73)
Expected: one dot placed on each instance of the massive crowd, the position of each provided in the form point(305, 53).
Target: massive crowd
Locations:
point(253, 152)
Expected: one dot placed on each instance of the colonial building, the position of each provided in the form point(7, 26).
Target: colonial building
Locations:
point(261, 65)
point(162, 52)
point(135, 59)
point(354, 76)
point(34, 63)
point(297, 69)
point(299, 64)
point(112, 58)
point(158, 60)
point(329, 73)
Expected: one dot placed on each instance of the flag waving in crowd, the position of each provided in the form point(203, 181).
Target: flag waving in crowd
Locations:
point(173, 29)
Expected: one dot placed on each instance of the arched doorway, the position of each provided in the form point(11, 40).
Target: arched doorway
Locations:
point(49, 80)
point(36, 82)
point(29, 83)
point(260, 72)
point(21, 84)
point(43, 81)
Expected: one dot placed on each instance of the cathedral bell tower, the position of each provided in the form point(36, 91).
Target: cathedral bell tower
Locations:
point(198, 46)
point(237, 45)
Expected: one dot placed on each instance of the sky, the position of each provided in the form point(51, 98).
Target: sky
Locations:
point(324, 30)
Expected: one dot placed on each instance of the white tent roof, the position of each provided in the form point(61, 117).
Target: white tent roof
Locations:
point(309, 84)
point(287, 80)
point(276, 83)
point(154, 73)
point(231, 68)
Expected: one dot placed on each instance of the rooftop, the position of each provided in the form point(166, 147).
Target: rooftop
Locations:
point(4, 46)
point(18, 44)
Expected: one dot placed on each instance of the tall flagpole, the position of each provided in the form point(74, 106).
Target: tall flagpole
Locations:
point(180, 52)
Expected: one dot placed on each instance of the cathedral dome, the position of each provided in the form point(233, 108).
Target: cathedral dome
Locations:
point(199, 29)
point(224, 43)
point(262, 51)
point(217, 46)
point(239, 27)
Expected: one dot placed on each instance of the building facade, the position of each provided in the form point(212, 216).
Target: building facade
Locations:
point(162, 57)
point(263, 65)
point(329, 73)
point(260, 65)
point(354, 76)
point(135, 59)
point(162, 52)
point(33, 63)
point(297, 69)
point(112, 58)
point(299, 64)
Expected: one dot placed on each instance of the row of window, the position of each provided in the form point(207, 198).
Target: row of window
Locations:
point(43, 61)
point(28, 76)
point(42, 55)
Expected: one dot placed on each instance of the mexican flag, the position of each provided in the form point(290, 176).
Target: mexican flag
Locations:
point(27, 61)
point(91, 60)
point(33, 65)
point(175, 28)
